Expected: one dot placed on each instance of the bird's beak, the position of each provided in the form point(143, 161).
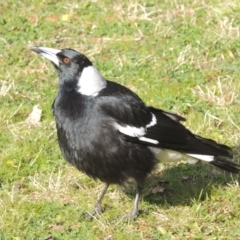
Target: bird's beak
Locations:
point(49, 53)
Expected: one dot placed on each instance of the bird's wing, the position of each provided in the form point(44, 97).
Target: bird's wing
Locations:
point(139, 123)
point(171, 134)
point(154, 127)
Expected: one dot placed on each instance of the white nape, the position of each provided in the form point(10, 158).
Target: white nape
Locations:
point(91, 82)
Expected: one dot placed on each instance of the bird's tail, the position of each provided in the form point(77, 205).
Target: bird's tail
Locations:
point(226, 165)
point(216, 154)
point(203, 149)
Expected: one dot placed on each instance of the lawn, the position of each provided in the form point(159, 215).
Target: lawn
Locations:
point(179, 55)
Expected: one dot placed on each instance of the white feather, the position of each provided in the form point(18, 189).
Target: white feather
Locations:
point(153, 121)
point(137, 132)
point(134, 132)
point(130, 131)
point(165, 155)
point(144, 139)
point(91, 82)
point(206, 158)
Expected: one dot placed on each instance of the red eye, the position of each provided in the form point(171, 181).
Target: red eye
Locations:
point(66, 60)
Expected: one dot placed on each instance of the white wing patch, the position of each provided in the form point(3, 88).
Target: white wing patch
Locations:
point(166, 155)
point(206, 158)
point(144, 139)
point(137, 132)
point(153, 121)
point(130, 131)
point(91, 82)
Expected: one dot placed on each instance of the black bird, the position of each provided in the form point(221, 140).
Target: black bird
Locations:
point(106, 131)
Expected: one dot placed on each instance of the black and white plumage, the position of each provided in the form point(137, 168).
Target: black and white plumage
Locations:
point(106, 131)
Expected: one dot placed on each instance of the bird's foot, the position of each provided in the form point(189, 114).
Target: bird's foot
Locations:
point(96, 211)
point(133, 214)
point(128, 216)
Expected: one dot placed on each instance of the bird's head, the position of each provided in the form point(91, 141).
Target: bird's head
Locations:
point(75, 70)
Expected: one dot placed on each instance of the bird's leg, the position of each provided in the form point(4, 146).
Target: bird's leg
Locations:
point(98, 208)
point(134, 211)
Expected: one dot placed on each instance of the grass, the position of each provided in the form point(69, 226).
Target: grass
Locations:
point(179, 55)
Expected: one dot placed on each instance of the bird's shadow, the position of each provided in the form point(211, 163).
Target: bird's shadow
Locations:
point(181, 184)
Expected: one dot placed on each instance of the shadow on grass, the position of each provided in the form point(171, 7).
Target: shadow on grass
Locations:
point(181, 184)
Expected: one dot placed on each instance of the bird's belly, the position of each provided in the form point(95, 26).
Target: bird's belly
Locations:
point(104, 155)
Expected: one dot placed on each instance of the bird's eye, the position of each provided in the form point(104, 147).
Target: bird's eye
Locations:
point(66, 60)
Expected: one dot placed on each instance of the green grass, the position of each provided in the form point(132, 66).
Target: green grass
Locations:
point(179, 55)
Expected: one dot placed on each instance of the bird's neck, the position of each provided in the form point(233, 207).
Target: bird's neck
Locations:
point(91, 82)
point(70, 104)
point(68, 86)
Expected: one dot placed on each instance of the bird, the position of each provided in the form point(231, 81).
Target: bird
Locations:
point(106, 131)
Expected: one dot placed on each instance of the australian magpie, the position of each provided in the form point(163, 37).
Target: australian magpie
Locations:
point(106, 131)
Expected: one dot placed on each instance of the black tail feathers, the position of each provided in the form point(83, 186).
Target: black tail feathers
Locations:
point(226, 165)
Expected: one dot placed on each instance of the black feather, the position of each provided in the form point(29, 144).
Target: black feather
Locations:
point(226, 165)
point(106, 131)
point(97, 151)
point(173, 135)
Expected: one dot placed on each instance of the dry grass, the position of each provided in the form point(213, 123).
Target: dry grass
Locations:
point(5, 87)
point(178, 55)
point(223, 93)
